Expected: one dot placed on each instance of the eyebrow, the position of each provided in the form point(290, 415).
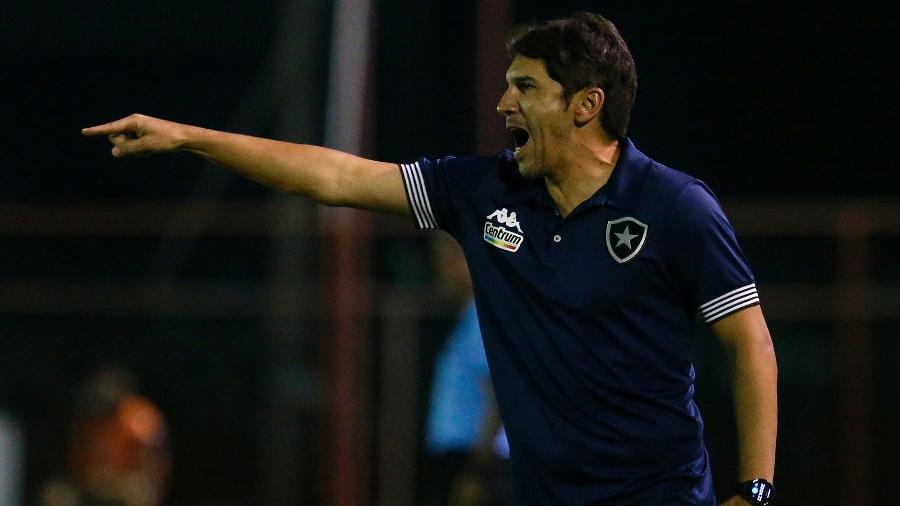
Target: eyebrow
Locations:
point(520, 80)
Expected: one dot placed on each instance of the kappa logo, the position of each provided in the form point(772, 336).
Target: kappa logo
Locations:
point(505, 218)
point(624, 238)
point(502, 237)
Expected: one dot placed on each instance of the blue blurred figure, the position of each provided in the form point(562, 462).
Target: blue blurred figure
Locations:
point(464, 439)
point(461, 396)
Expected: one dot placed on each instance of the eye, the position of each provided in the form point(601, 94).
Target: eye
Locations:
point(523, 84)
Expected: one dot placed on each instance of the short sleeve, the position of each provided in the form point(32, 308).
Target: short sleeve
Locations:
point(706, 259)
point(428, 192)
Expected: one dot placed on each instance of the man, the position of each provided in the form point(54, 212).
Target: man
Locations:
point(589, 262)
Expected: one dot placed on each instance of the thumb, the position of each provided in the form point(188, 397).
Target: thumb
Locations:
point(125, 146)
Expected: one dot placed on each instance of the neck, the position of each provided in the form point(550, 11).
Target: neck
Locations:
point(585, 172)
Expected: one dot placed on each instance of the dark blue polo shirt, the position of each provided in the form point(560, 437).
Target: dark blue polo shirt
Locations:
point(588, 320)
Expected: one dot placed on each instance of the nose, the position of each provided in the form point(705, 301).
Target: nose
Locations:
point(506, 105)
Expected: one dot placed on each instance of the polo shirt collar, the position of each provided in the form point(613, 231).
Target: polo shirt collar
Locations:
point(622, 190)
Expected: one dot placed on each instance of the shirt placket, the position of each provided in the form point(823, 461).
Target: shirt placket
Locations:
point(556, 236)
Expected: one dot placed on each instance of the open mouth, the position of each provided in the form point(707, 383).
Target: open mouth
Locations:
point(520, 137)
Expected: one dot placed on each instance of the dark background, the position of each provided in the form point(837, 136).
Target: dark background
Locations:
point(773, 100)
point(757, 99)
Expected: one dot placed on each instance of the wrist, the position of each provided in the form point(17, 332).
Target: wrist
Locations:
point(188, 138)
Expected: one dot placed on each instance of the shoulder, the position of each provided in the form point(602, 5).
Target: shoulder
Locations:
point(471, 162)
point(681, 202)
point(667, 183)
point(678, 191)
point(488, 172)
point(441, 190)
point(499, 165)
point(646, 182)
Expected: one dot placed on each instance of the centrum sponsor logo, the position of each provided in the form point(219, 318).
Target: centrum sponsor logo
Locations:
point(501, 237)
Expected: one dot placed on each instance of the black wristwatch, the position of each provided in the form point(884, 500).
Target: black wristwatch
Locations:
point(758, 492)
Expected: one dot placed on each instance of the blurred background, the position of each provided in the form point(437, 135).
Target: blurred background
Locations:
point(198, 339)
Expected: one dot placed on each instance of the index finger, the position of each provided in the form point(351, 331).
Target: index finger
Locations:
point(114, 127)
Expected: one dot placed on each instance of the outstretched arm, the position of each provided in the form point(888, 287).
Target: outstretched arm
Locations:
point(747, 339)
point(327, 176)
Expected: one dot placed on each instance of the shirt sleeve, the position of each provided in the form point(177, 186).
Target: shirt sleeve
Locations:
point(429, 192)
point(707, 261)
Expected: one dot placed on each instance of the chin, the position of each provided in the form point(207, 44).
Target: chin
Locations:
point(525, 169)
point(528, 171)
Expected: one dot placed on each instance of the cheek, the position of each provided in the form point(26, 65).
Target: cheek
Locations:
point(559, 126)
point(550, 135)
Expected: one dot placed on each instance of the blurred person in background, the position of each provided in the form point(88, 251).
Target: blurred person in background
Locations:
point(118, 451)
point(465, 443)
point(590, 264)
point(12, 457)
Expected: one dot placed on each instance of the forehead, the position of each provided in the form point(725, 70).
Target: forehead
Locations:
point(523, 66)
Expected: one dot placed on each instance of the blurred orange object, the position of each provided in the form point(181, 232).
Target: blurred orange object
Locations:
point(121, 442)
point(119, 450)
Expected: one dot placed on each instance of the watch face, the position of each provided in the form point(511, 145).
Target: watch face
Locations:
point(758, 491)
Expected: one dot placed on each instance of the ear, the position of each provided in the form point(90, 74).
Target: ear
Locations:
point(589, 101)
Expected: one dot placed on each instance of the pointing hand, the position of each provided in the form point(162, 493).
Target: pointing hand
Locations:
point(140, 135)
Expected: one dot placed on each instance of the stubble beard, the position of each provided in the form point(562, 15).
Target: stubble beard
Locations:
point(528, 172)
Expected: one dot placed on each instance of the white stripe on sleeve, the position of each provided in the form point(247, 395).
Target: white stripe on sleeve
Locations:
point(729, 303)
point(417, 195)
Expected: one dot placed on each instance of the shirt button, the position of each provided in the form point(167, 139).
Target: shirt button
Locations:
point(556, 212)
point(557, 238)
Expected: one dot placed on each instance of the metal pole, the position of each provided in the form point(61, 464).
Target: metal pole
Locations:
point(348, 295)
point(291, 402)
point(853, 360)
point(398, 416)
point(494, 20)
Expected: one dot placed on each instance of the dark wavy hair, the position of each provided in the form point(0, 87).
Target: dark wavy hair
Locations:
point(584, 50)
